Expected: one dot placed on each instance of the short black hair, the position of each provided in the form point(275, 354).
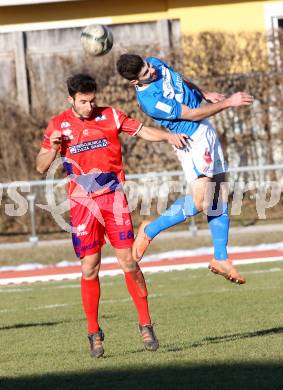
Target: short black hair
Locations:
point(82, 83)
point(129, 66)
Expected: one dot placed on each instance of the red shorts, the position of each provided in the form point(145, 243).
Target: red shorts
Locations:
point(92, 219)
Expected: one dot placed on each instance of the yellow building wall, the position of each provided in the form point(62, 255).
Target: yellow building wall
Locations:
point(231, 17)
point(119, 11)
point(195, 16)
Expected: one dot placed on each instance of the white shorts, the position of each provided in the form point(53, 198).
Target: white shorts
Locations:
point(204, 155)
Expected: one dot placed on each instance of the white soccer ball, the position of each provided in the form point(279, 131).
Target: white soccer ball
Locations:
point(97, 39)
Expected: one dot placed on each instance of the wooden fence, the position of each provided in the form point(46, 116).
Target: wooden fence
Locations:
point(32, 61)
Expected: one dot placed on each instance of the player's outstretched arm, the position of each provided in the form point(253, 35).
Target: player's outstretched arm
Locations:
point(193, 86)
point(213, 97)
point(152, 134)
point(210, 97)
point(45, 156)
point(236, 100)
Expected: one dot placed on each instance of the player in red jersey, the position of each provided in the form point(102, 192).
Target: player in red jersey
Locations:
point(87, 138)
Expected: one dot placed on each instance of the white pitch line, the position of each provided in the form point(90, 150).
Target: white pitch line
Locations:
point(174, 254)
point(76, 286)
point(262, 271)
point(15, 290)
point(151, 296)
point(153, 269)
point(53, 306)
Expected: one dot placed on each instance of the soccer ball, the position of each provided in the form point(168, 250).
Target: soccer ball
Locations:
point(96, 39)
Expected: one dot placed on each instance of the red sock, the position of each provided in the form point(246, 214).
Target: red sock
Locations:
point(90, 290)
point(138, 291)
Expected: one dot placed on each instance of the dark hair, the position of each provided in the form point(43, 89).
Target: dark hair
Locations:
point(82, 83)
point(129, 66)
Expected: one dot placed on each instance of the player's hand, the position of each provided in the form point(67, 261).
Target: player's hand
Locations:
point(213, 97)
point(240, 99)
point(180, 141)
point(56, 140)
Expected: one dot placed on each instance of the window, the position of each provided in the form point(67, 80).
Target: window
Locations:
point(280, 37)
point(273, 13)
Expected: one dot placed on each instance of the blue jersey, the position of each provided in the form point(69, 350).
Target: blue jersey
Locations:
point(163, 98)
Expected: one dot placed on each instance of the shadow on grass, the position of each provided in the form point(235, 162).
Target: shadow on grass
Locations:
point(237, 336)
point(221, 339)
point(30, 325)
point(178, 376)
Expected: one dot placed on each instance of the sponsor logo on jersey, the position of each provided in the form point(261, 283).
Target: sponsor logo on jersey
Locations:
point(65, 124)
point(168, 90)
point(89, 145)
point(81, 230)
point(172, 90)
point(179, 83)
point(100, 118)
point(67, 134)
point(85, 131)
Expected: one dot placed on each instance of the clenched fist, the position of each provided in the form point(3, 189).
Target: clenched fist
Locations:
point(56, 140)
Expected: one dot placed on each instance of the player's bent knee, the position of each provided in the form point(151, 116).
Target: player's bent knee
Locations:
point(88, 274)
point(199, 204)
point(125, 259)
point(89, 271)
point(128, 265)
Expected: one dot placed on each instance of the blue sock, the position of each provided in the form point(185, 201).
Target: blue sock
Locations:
point(218, 220)
point(178, 212)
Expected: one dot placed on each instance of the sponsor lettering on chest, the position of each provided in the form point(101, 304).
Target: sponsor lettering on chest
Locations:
point(89, 145)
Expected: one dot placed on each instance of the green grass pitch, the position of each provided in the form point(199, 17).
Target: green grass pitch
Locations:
point(213, 334)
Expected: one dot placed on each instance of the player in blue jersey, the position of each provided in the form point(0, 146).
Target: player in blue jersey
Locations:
point(175, 103)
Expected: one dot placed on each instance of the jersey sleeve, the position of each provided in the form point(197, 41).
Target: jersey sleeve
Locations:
point(46, 137)
point(126, 124)
point(162, 108)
